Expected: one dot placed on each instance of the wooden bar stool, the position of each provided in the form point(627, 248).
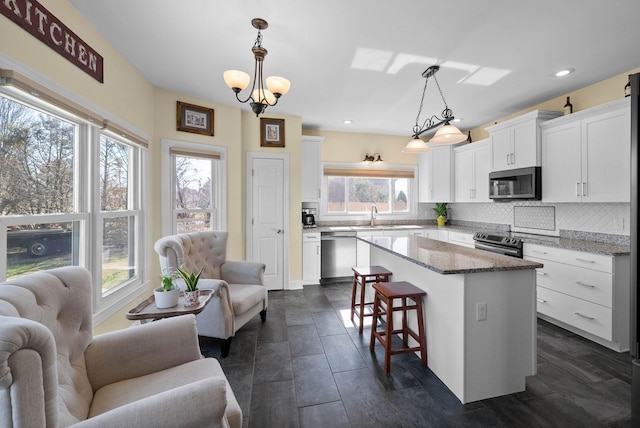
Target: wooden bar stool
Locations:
point(386, 293)
point(361, 276)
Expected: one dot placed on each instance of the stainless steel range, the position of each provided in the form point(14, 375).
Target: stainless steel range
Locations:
point(507, 245)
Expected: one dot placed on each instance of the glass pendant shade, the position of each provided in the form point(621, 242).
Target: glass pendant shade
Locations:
point(236, 79)
point(448, 134)
point(278, 85)
point(265, 97)
point(416, 146)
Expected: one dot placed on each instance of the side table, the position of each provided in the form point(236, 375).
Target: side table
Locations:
point(146, 311)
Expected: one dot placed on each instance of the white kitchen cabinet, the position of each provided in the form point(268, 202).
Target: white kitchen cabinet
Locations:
point(584, 292)
point(471, 177)
point(435, 174)
point(311, 168)
point(311, 257)
point(515, 143)
point(585, 156)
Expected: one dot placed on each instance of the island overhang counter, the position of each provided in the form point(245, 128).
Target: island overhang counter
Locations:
point(479, 312)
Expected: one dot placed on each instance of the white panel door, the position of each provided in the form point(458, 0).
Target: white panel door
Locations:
point(268, 219)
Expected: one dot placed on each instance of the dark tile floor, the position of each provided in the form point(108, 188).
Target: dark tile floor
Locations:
point(306, 366)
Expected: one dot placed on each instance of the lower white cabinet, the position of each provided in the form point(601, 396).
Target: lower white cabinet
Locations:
point(461, 238)
point(311, 258)
point(584, 292)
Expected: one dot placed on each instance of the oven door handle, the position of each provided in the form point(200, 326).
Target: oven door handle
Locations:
point(500, 250)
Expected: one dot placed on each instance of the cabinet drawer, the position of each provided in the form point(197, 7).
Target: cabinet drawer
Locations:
point(461, 238)
point(594, 286)
point(311, 237)
point(587, 316)
point(575, 258)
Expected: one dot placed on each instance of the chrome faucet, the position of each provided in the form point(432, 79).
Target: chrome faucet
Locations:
point(374, 211)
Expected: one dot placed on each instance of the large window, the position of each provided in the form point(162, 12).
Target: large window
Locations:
point(353, 191)
point(70, 195)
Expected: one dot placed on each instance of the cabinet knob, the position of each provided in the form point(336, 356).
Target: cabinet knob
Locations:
point(540, 300)
point(585, 260)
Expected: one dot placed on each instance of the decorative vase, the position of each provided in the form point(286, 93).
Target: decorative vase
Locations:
point(166, 299)
point(441, 220)
point(191, 298)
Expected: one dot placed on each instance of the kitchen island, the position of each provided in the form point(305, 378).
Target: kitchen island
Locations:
point(479, 312)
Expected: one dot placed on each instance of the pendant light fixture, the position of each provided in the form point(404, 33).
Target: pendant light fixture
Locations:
point(259, 95)
point(447, 134)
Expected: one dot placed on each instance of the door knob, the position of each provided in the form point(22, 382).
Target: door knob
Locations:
point(279, 230)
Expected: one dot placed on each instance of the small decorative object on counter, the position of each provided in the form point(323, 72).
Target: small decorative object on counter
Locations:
point(441, 210)
point(627, 87)
point(469, 140)
point(568, 107)
point(191, 291)
point(168, 295)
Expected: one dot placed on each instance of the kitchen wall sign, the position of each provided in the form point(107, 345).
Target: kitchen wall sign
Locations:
point(44, 26)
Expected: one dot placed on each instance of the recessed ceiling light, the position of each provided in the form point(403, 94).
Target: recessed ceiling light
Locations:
point(347, 122)
point(458, 119)
point(565, 72)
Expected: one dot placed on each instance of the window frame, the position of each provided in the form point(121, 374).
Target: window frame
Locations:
point(86, 199)
point(353, 168)
point(219, 178)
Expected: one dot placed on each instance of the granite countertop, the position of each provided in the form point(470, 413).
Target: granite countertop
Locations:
point(586, 245)
point(578, 245)
point(445, 258)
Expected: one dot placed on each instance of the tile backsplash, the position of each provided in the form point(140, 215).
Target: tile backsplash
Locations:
point(533, 216)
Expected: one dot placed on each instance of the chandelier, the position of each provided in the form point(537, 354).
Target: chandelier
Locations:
point(447, 134)
point(259, 96)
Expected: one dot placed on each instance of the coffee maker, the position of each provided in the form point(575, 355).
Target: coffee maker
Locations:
point(308, 217)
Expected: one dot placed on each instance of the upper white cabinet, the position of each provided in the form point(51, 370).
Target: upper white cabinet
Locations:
point(585, 156)
point(471, 178)
point(311, 168)
point(515, 143)
point(435, 174)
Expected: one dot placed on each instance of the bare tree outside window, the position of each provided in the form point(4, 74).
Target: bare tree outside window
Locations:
point(194, 195)
point(355, 195)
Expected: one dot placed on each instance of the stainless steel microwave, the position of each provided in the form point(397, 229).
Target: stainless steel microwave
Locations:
point(516, 184)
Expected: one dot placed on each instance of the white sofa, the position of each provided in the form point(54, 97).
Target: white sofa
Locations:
point(240, 291)
point(54, 373)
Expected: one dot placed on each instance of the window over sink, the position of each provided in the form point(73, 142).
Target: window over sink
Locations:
point(351, 191)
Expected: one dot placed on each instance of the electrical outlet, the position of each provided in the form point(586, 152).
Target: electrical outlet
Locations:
point(481, 311)
point(618, 224)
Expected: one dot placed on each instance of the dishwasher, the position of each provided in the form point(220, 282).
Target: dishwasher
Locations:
point(337, 255)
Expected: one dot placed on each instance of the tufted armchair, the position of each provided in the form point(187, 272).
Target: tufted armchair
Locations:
point(240, 292)
point(54, 373)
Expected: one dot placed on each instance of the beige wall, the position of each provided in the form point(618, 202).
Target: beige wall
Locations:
point(590, 96)
point(125, 92)
point(351, 147)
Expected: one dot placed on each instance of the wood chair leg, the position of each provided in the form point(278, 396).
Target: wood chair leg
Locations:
point(263, 315)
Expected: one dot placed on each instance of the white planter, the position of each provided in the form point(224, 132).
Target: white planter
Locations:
point(166, 299)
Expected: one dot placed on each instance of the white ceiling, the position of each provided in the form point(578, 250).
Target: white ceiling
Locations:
point(363, 60)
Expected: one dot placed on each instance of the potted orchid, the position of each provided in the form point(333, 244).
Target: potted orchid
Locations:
point(167, 296)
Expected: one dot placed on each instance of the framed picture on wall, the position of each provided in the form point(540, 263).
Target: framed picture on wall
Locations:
point(193, 118)
point(271, 132)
